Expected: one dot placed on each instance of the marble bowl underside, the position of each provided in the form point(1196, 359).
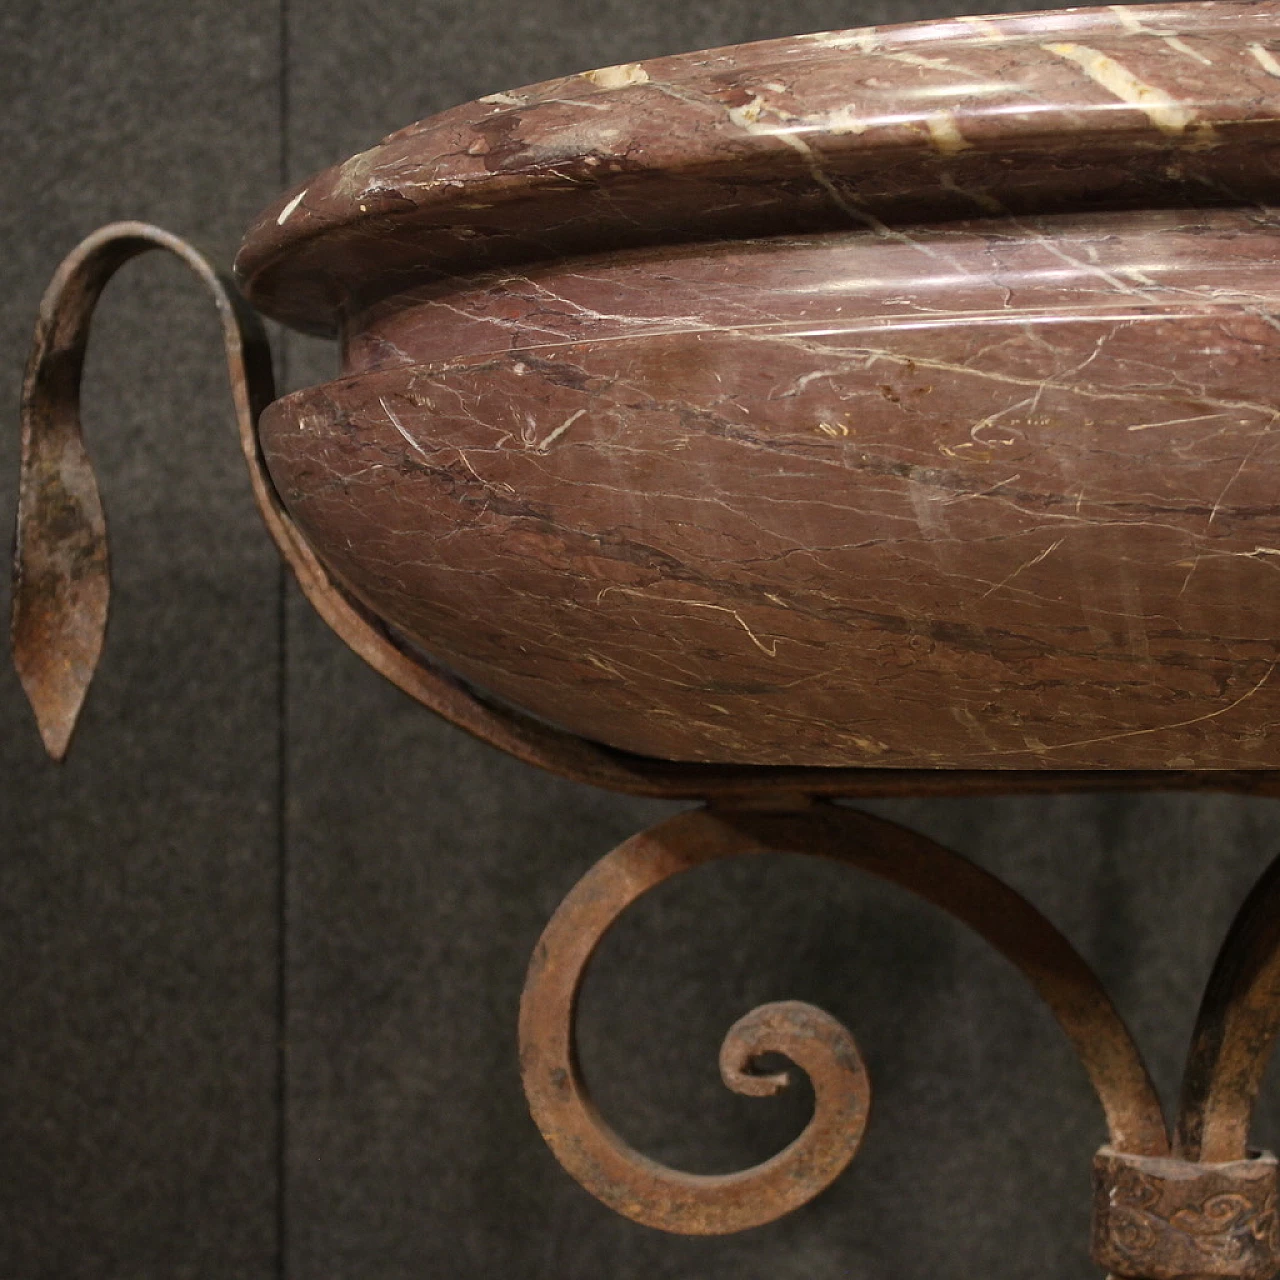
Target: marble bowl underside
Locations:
point(992, 494)
point(899, 398)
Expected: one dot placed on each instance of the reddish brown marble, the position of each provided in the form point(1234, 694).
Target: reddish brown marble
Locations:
point(929, 490)
point(1086, 108)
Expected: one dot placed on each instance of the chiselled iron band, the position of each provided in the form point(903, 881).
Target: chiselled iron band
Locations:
point(1157, 1218)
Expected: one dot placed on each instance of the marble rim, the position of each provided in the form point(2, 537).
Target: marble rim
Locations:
point(798, 116)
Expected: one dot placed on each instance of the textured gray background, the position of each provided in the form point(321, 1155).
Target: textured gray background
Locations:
point(262, 938)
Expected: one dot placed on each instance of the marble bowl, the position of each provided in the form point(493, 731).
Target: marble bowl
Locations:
point(899, 398)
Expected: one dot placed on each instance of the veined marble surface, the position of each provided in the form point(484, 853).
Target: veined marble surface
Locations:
point(969, 463)
point(1134, 105)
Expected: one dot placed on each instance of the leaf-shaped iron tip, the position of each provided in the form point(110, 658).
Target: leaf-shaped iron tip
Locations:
point(61, 578)
point(61, 581)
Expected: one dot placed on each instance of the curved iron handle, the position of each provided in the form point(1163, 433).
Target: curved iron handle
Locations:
point(61, 567)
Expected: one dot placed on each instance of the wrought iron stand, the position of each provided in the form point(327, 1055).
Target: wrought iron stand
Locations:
point(1198, 1203)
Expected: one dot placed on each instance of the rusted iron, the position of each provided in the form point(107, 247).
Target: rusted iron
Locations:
point(660, 1197)
point(1235, 1032)
point(1170, 1219)
point(1211, 1209)
point(61, 573)
point(1205, 1207)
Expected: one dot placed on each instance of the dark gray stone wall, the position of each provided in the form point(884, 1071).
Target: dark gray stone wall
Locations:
point(262, 938)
